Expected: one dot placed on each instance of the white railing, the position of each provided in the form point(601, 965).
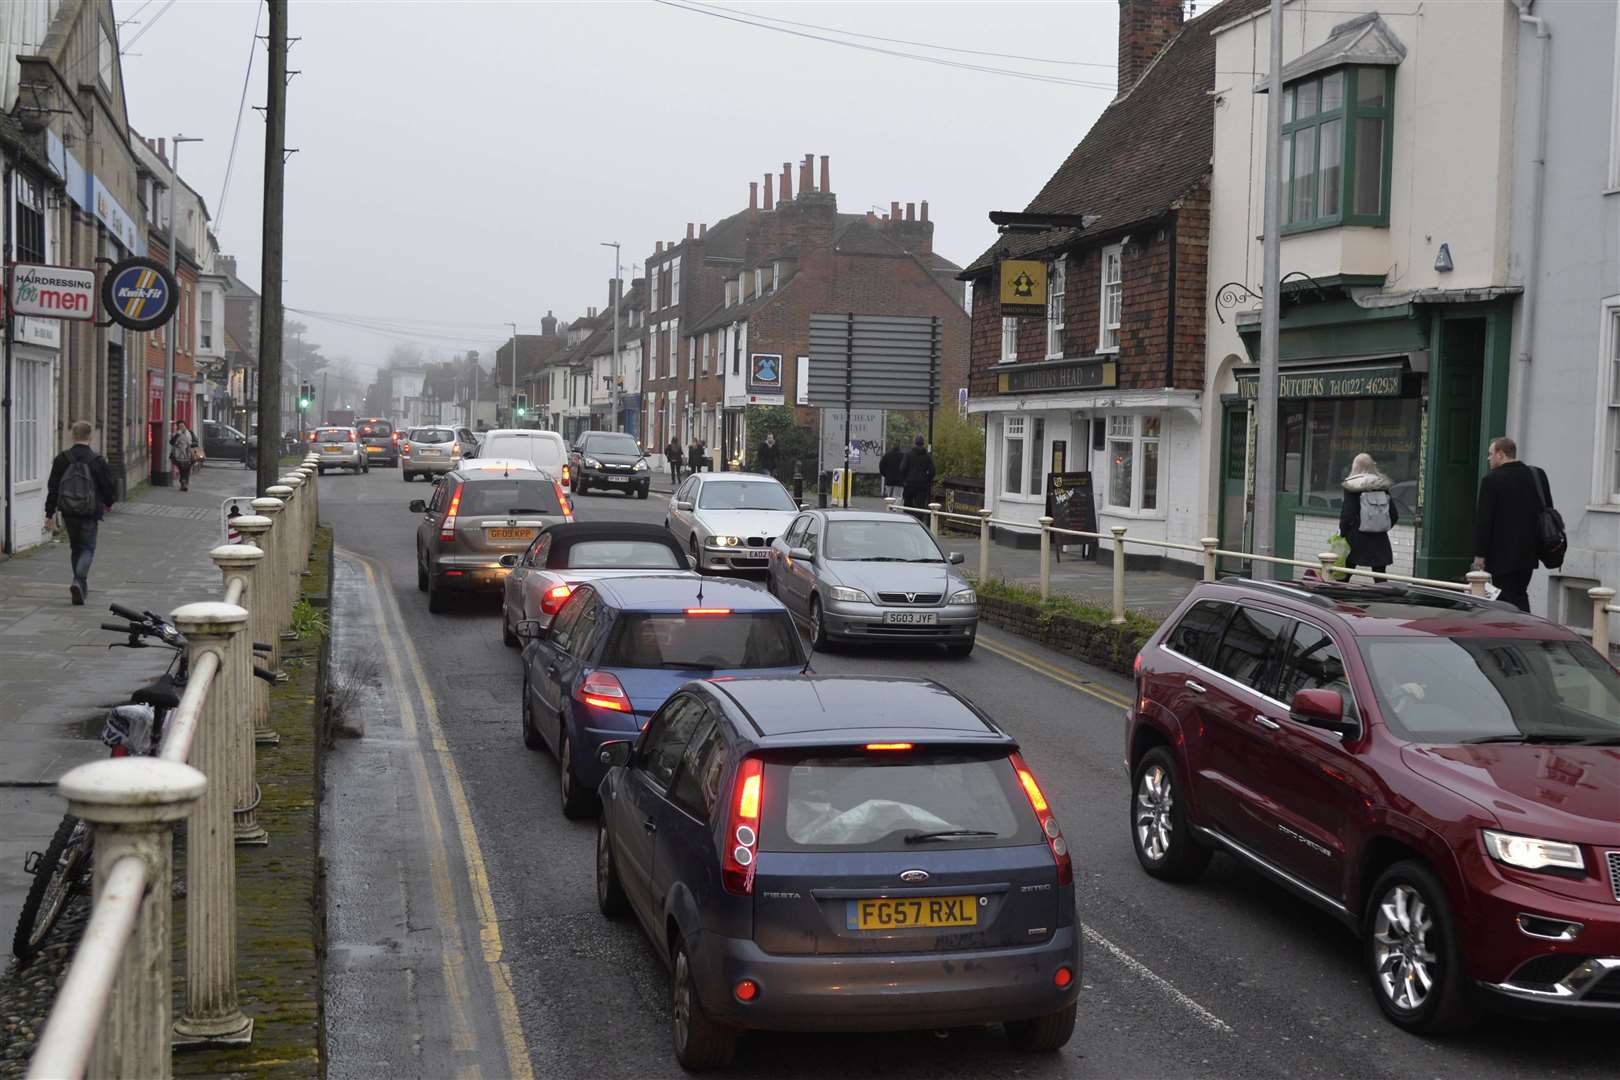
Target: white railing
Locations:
point(112, 1015)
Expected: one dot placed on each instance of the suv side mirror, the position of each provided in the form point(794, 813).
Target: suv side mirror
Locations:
point(955, 558)
point(418, 506)
point(614, 753)
point(1322, 709)
point(531, 629)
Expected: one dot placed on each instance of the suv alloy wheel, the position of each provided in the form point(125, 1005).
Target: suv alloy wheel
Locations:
point(1164, 845)
point(1412, 956)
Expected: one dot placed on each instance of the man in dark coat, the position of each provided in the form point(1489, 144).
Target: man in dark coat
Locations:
point(918, 475)
point(1510, 501)
point(767, 456)
point(673, 453)
point(81, 513)
point(892, 468)
point(694, 455)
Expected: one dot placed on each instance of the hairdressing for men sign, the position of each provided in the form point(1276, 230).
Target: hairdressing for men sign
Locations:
point(53, 292)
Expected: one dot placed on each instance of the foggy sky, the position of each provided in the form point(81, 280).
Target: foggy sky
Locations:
point(459, 163)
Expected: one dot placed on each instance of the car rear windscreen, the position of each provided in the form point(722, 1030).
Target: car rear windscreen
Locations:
point(433, 435)
point(622, 555)
point(341, 435)
point(888, 800)
point(707, 642)
point(545, 453)
point(509, 496)
point(376, 429)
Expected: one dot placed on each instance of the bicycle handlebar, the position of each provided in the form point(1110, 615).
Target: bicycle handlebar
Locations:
point(265, 673)
point(118, 628)
point(259, 646)
point(125, 613)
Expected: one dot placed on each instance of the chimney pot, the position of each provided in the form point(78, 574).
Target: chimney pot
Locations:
point(787, 181)
point(753, 195)
point(826, 175)
point(925, 209)
point(911, 211)
point(658, 249)
point(703, 229)
point(769, 182)
point(1145, 27)
point(689, 230)
point(806, 181)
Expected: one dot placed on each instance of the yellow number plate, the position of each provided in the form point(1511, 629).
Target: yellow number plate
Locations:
point(333, 449)
point(894, 913)
point(511, 534)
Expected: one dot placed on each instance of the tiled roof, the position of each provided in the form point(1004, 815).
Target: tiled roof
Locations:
point(1146, 150)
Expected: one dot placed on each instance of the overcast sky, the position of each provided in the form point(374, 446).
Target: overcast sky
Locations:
point(459, 163)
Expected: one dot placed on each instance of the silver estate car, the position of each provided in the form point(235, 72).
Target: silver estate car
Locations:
point(429, 451)
point(857, 575)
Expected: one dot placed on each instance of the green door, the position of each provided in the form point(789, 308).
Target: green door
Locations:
point(1234, 507)
point(1456, 456)
point(1290, 482)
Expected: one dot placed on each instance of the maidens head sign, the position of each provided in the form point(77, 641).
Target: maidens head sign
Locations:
point(53, 292)
point(139, 293)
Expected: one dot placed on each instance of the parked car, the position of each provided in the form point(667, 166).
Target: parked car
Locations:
point(429, 451)
point(479, 512)
point(859, 575)
point(381, 440)
point(729, 520)
point(620, 646)
point(564, 556)
point(221, 442)
point(545, 450)
point(840, 854)
point(1438, 772)
point(339, 448)
point(609, 459)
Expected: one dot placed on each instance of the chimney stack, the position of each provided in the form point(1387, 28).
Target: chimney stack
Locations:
point(826, 176)
point(703, 229)
point(1145, 28)
point(894, 211)
point(787, 181)
point(806, 181)
point(689, 230)
point(925, 210)
point(753, 195)
point(163, 151)
point(871, 218)
point(548, 325)
point(658, 248)
point(911, 211)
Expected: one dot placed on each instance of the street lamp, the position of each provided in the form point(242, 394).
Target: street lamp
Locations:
point(512, 404)
point(618, 287)
point(167, 428)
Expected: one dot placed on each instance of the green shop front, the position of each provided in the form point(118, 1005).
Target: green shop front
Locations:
point(1419, 382)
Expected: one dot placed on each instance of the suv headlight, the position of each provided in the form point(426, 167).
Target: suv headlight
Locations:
point(723, 540)
point(848, 596)
point(592, 463)
point(964, 596)
point(1530, 853)
point(641, 466)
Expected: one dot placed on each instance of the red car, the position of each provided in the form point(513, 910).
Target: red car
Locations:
point(1440, 773)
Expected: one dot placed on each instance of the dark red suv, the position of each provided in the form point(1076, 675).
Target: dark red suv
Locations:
point(1440, 773)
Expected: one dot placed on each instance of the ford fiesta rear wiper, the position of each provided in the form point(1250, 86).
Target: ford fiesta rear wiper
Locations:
point(945, 834)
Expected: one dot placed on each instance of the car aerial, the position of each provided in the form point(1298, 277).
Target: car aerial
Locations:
point(620, 646)
point(1439, 772)
point(380, 439)
point(479, 512)
point(429, 451)
point(859, 575)
point(728, 520)
point(339, 448)
point(545, 450)
point(609, 459)
point(564, 556)
point(221, 442)
point(834, 853)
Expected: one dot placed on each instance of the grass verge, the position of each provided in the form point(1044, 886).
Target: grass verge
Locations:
point(1081, 630)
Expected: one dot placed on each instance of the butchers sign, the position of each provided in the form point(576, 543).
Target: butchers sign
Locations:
point(53, 292)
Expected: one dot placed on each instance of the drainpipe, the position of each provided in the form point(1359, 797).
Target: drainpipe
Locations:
point(1538, 173)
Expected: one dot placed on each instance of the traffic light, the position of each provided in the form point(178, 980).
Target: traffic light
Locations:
point(306, 395)
point(520, 404)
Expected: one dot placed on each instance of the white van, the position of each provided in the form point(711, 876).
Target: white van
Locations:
point(545, 449)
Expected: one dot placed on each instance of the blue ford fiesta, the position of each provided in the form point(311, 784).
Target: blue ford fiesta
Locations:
point(619, 647)
point(839, 854)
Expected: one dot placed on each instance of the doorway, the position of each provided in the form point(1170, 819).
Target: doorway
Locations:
point(1456, 448)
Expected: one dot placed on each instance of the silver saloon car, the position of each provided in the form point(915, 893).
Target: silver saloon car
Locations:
point(856, 575)
point(728, 521)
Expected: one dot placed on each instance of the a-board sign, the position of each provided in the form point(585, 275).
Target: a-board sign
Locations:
point(1071, 503)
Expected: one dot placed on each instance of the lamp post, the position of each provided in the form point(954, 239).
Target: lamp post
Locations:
point(618, 287)
point(1265, 457)
point(167, 430)
point(511, 402)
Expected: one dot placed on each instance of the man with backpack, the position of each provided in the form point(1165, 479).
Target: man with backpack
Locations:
point(1515, 523)
point(81, 487)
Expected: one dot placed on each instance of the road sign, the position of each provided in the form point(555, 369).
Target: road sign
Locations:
point(53, 292)
point(139, 293)
point(874, 361)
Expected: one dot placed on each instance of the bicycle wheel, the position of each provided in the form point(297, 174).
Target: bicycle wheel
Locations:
point(56, 876)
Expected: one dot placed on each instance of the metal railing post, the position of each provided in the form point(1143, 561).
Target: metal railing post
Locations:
point(1046, 558)
point(280, 610)
point(212, 1014)
point(1477, 580)
point(1209, 544)
point(1601, 597)
point(984, 545)
point(890, 503)
point(1119, 572)
point(238, 563)
point(282, 543)
point(261, 623)
point(933, 518)
point(118, 985)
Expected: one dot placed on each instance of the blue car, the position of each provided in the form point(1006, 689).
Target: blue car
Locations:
point(619, 647)
point(839, 854)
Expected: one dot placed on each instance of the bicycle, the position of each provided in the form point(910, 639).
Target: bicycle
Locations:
point(136, 729)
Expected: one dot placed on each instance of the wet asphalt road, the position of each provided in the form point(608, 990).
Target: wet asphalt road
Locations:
point(1230, 976)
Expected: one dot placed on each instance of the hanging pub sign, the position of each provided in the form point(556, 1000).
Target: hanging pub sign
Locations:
point(1023, 287)
point(139, 293)
point(53, 292)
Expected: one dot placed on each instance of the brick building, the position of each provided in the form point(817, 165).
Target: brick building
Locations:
point(729, 323)
point(162, 193)
point(1110, 379)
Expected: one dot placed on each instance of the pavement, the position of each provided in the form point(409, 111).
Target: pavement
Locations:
point(57, 673)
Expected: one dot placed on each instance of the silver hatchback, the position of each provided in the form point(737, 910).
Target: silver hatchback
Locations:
point(429, 451)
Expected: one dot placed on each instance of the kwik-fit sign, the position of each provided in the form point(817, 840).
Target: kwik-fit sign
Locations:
point(53, 292)
point(139, 293)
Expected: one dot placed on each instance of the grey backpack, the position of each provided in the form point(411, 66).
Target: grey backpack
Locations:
point(1375, 512)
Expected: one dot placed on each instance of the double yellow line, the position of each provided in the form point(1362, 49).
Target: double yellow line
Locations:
point(1056, 674)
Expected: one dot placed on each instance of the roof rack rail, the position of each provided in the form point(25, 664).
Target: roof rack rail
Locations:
point(1331, 593)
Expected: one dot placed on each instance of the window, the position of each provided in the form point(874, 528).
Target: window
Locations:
point(1009, 339)
point(667, 735)
point(776, 276)
point(1251, 651)
point(1609, 398)
point(206, 330)
point(708, 347)
point(1196, 634)
point(1054, 308)
point(676, 641)
point(1314, 663)
point(759, 280)
point(675, 281)
point(1336, 144)
point(30, 230)
point(1037, 454)
point(107, 59)
point(31, 396)
point(1113, 297)
point(1013, 455)
point(1133, 462)
point(674, 349)
point(697, 785)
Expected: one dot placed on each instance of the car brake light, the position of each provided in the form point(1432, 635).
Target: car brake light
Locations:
point(447, 530)
point(888, 746)
point(396, 436)
point(708, 611)
point(1049, 823)
point(551, 601)
point(455, 449)
point(562, 499)
point(742, 831)
point(567, 476)
point(603, 691)
point(405, 448)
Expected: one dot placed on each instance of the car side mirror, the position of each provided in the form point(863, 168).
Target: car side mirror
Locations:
point(531, 629)
point(802, 554)
point(1322, 709)
point(614, 753)
point(682, 504)
point(418, 506)
point(509, 561)
point(955, 558)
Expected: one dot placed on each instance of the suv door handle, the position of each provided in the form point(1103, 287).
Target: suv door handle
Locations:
point(1196, 687)
point(649, 825)
point(1266, 722)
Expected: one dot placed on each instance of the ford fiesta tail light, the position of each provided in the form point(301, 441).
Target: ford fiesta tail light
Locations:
point(1048, 820)
point(742, 831)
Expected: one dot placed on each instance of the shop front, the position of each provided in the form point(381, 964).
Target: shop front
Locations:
point(33, 379)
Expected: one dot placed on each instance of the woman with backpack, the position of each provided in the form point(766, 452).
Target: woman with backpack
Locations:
point(1367, 515)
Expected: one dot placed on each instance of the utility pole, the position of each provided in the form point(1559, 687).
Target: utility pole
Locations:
point(166, 432)
point(270, 314)
point(618, 287)
point(1265, 454)
point(511, 402)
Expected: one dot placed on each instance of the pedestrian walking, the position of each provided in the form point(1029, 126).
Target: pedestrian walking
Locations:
point(81, 487)
point(694, 455)
point(767, 455)
point(672, 453)
point(917, 479)
point(1507, 542)
point(892, 468)
point(183, 452)
point(1367, 514)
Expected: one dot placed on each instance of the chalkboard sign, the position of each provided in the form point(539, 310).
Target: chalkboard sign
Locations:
point(1072, 504)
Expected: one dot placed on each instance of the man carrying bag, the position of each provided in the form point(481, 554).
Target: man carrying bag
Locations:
point(1515, 524)
point(81, 487)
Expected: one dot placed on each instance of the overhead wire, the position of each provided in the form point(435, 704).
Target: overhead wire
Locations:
point(136, 13)
point(162, 11)
point(236, 132)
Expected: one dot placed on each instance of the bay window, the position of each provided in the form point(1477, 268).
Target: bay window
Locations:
point(1054, 308)
point(1133, 462)
point(1113, 297)
point(1336, 148)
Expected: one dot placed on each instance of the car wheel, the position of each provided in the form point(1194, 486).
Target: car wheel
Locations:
point(580, 486)
point(610, 898)
point(577, 800)
point(1164, 845)
point(818, 627)
point(509, 639)
point(1044, 1034)
point(436, 597)
point(319, 471)
point(405, 476)
point(1412, 954)
point(701, 1042)
point(641, 492)
point(531, 738)
point(692, 548)
point(960, 649)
